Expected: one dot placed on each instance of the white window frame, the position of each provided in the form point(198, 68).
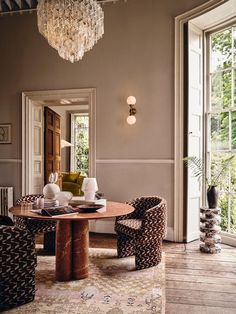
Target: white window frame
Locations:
point(72, 152)
point(227, 237)
point(179, 113)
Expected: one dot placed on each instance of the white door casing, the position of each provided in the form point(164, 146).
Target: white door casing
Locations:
point(38, 149)
point(32, 143)
point(195, 127)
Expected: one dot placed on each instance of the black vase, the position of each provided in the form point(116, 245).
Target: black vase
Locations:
point(212, 197)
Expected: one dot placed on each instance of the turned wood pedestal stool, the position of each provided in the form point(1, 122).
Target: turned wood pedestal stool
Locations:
point(210, 230)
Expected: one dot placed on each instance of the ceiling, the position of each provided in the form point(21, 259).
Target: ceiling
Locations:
point(15, 6)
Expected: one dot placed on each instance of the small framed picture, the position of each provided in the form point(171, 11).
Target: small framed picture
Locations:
point(5, 133)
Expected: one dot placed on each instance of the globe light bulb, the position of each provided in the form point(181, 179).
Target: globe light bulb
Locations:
point(131, 100)
point(131, 120)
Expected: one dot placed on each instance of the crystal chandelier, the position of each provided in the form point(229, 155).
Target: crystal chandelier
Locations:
point(72, 27)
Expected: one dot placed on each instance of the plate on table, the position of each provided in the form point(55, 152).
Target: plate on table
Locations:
point(89, 208)
point(81, 202)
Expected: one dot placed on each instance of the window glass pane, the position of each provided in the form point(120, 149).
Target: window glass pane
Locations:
point(223, 204)
point(220, 131)
point(222, 120)
point(217, 175)
point(233, 214)
point(221, 50)
point(81, 145)
point(234, 87)
point(233, 175)
point(221, 90)
point(233, 131)
point(234, 39)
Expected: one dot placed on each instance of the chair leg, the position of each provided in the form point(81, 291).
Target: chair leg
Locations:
point(148, 254)
point(125, 245)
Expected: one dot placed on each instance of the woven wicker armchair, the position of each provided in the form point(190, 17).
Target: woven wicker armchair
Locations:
point(141, 232)
point(17, 265)
point(36, 226)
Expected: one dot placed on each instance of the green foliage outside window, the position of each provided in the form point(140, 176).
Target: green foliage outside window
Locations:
point(81, 143)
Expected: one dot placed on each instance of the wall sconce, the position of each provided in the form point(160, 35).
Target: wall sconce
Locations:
point(131, 101)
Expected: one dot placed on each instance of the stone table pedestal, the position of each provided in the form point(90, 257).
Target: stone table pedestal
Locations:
point(210, 230)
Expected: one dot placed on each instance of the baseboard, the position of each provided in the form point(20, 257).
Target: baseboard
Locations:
point(170, 234)
point(107, 226)
point(102, 226)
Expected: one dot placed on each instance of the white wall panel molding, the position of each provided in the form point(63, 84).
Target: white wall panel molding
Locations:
point(102, 226)
point(10, 160)
point(170, 234)
point(135, 161)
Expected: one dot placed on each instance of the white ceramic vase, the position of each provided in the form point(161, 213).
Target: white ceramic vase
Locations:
point(63, 198)
point(50, 190)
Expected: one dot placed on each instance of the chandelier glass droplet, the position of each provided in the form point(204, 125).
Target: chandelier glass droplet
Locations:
point(72, 27)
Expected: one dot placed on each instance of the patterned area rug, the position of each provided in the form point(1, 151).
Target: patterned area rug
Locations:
point(113, 287)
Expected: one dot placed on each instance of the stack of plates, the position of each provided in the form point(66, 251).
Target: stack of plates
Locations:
point(89, 208)
point(47, 203)
point(50, 203)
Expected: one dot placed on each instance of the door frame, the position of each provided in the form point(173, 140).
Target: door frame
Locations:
point(179, 113)
point(34, 98)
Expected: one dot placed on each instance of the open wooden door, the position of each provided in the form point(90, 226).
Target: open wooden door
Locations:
point(194, 127)
point(52, 143)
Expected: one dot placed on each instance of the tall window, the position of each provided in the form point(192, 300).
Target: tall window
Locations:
point(80, 140)
point(222, 116)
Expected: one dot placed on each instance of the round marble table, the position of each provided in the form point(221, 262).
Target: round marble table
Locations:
point(72, 238)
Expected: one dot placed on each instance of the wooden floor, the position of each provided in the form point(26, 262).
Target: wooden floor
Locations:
point(196, 283)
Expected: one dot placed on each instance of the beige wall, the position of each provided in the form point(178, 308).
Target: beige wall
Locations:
point(135, 56)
